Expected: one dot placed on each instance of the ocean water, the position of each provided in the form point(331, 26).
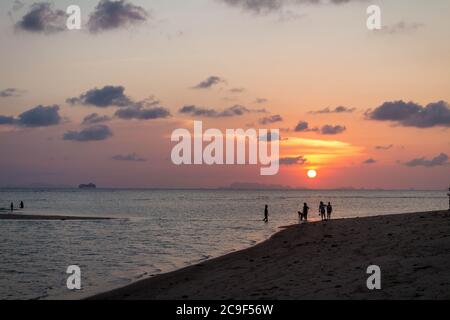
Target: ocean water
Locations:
point(156, 231)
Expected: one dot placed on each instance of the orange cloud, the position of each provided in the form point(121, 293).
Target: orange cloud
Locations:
point(319, 153)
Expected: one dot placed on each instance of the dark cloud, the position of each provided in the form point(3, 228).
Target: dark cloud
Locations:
point(267, 6)
point(43, 18)
point(133, 157)
point(370, 161)
point(410, 114)
point(5, 120)
point(290, 161)
point(303, 126)
point(95, 133)
point(339, 109)
point(114, 96)
point(271, 119)
point(332, 130)
point(108, 96)
point(233, 111)
point(95, 118)
point(384, 147)
point(141, 113)
point(109, 15)
point(11, 92)
point(40, 116)
point(208, 83)
point(394, 111)
point(439, 160)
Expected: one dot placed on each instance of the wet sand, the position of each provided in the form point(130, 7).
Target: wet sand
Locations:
point(14, 216)
point(320, 260)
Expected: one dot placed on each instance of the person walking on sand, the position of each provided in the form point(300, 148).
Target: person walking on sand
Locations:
point(329, 210)
point(266, 214)
point(322, 210)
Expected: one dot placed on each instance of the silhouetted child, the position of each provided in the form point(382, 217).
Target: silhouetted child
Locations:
point(12, 207)
point(266, 214)
point(329, 210)
point(22, 205)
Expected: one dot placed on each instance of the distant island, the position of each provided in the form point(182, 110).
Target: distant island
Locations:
point(256, 186)
point(87, 186)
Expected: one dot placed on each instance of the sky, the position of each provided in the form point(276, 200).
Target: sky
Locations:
point(364, 108)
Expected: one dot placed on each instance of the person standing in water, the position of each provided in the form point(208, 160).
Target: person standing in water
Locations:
point(22, 206)
point(322, 210)
point(448, 199)
point(12, 207)
point(329, 210)
point(305, 211)
point(266, 214)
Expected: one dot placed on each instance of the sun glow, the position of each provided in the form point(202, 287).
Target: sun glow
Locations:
point(312, 174)
point(320, 152)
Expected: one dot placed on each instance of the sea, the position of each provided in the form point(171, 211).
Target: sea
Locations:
point(157, 231)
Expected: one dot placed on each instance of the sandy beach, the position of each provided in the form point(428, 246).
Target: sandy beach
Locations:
point(320, 260)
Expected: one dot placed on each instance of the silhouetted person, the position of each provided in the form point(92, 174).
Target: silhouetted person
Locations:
point(266, 214)
point(322, 210)
point(12, 207)
point(22, 205)
point(305, 211)
point(304, 214)
point(329, 210)
point(448, 199)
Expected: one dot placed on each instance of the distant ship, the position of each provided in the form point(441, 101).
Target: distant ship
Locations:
point(87, 186)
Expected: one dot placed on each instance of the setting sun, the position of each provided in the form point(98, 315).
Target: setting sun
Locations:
point(312, 174)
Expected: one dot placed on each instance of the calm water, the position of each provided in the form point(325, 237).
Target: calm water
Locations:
point(156, 231)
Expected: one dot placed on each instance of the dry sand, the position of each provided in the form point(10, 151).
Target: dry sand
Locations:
point(320, 261)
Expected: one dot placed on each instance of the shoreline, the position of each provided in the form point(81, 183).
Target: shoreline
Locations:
point(29, 217)
point(318, 261)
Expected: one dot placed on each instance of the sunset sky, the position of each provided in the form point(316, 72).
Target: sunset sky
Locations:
point(366, 109)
